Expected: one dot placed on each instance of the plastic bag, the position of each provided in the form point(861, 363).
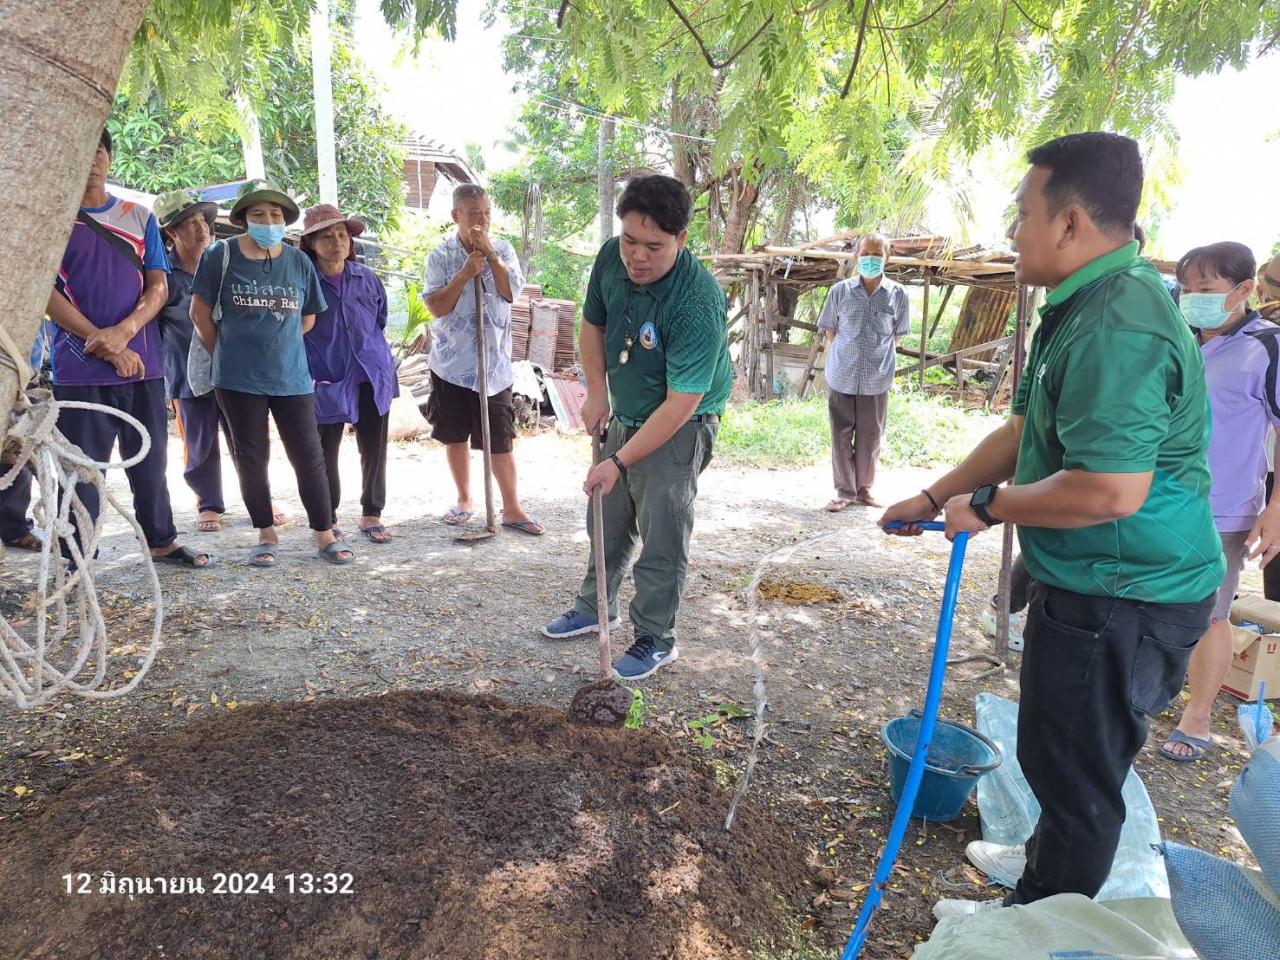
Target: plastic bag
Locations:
point(1226, 912)
point(1008, 810)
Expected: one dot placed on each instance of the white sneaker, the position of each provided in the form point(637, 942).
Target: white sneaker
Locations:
point(989, 618)
point(1003, 864)
point(947, 909)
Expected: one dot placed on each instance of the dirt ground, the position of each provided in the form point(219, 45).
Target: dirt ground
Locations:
point(427, 614)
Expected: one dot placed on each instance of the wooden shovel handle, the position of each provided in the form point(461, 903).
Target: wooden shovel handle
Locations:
point(602, 579)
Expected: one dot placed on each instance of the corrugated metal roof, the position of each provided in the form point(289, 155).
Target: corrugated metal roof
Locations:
point(567, 397)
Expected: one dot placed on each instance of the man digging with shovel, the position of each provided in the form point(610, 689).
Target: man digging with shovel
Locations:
point(655, 351)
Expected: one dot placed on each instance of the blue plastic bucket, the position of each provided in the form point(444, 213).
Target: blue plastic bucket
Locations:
point(957, 757)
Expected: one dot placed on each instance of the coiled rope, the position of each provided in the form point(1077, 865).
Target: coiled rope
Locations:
point(69, 652)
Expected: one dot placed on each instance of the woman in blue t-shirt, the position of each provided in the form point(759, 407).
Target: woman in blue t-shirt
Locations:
point(269, 296)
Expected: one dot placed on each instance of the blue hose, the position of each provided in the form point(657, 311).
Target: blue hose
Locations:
point(915, 773)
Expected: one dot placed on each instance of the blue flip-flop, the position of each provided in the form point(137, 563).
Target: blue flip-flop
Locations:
point(1198, 747)
point(533, 528)
point(456, 517)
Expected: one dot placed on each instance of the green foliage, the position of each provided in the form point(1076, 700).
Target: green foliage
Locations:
point(635, 715)
point(872, 104)
point(922, 431)
point(157, 151)
point(419, 317)
point(368, 142)
point(178, 118)
point(188, 141)
point(561, 274)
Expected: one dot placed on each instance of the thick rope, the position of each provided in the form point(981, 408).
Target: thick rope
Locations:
point(69, 653)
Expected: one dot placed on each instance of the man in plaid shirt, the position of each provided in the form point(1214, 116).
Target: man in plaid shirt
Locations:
point(863, 319)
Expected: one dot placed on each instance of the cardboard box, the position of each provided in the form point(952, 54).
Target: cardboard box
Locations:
point(1255, 659)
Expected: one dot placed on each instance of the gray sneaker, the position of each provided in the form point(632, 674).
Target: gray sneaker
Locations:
point(643, 658)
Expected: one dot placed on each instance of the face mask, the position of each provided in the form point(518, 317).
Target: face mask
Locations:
point(266, 235)
point(871, 267)
point(1205, 311)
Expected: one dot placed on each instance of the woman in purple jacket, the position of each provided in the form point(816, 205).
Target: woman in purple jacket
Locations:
point(350, 361)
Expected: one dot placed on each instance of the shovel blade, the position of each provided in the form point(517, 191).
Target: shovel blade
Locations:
point(475, 536)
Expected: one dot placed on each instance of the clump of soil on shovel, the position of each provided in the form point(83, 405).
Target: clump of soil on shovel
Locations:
point(471, 828)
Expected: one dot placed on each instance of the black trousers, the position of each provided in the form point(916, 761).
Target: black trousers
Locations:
point(1093, 670)
point(371, 441)
point(198, 421)
point(96, 434)
point(295, 418)
point(1271, 572)
point(14, 501)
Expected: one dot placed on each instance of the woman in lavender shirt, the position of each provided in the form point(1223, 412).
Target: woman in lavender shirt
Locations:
point(350, 360)
point(1240, 362)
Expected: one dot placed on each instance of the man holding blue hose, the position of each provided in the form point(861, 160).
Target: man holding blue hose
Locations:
point(1107, 447)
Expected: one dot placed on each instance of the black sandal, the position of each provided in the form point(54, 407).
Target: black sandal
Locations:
point(183, 557)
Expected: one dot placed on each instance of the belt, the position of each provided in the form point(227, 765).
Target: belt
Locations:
point(711, 419)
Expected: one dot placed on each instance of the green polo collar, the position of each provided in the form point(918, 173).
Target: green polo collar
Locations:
point(1107, 264)
point(659, 288)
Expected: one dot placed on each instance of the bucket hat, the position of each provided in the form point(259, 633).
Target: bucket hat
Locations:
point(262, 191)
point(174, 206)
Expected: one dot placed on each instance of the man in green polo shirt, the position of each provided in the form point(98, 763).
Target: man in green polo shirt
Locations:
point(1106, 446)
point(655, 350)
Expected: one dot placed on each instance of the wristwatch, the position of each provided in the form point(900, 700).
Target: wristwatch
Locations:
point(617, 462)
point(982, 498)
point(492, 256)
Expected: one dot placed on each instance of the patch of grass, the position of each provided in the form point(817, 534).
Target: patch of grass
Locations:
point(922, 431)
point(800, 944)
point(635, 716)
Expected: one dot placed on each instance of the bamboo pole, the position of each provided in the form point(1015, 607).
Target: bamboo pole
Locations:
point(770, 315)
point(1024, 304)
point(946, 298)
point(924, 331)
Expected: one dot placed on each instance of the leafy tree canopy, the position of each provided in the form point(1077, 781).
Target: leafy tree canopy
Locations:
point(177, 123)
point(858, 96)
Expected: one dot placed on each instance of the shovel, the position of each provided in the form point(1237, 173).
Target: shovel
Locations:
point(605, 702)
point(929, 718)
point(482, 387)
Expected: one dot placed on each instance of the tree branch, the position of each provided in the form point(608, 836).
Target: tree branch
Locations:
point(564, 7)
point(706, 54)
point(1128, 37)
point(857, 50)
point(884, 52)
point(995, 50)
point(945, 4)
point(1027, 16)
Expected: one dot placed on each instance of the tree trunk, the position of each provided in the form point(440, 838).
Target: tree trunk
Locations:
point(604, 178)
point(255, 168)
point(58, 75)
point(681, 156)
point(743, 195)
point(787, 211)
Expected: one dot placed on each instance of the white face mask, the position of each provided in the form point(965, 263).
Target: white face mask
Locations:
point(1206, 311)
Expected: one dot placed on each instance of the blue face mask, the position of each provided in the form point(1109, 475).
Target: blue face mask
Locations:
point(1205, 311)
point(266, 235)
point(871, 267)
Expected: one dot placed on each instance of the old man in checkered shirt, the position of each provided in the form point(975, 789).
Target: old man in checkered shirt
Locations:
point(863, 319)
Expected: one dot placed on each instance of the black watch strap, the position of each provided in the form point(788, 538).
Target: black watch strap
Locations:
point(617, 462)
point(984, 495)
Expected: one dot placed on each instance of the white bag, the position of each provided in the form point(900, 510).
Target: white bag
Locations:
point(199, 363)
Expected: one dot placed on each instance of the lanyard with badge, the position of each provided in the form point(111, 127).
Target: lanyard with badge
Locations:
point(627, 340)
point(649, 338)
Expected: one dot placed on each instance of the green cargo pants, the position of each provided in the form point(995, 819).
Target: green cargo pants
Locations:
point(652, 504)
